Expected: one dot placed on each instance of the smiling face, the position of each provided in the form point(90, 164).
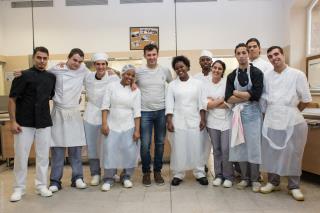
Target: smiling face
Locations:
point(242, 56)
point(128, 77)
point(181, 70)
point(205, 63)
point(217, 70)
point(277, 59)
point(151, 56)
point(74, 62)
point(101, 66)
point(40, 60)
point(254, 50)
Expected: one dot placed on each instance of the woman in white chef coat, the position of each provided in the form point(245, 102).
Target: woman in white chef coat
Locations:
point(95, 85)
point(121, 112)
point(185, 111)
point(218, 125)
point(284, 131)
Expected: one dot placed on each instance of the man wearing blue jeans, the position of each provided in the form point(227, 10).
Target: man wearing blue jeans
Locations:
point(151, 80)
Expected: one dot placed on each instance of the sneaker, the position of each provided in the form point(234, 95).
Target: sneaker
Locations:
point(53, 188)
point(146, 180)
point(269, 187)
point(44, 192)
point(95, 180)
point(176, 181)
point(297, 194)
point(158, 178)
point(227, 184)
point(217, 182)
point(16, 195)
point(256, 186)
point(80, 184)
point(127, 184)
point(106, 187)
point(203, 181)
point(243, 184)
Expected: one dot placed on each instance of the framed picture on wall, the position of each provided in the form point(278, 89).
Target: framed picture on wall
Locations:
point(141, 36)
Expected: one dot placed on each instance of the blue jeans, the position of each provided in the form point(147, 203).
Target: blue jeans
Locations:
point(150, 120)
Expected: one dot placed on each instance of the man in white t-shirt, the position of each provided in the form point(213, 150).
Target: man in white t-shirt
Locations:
point(254, 49)
point(151, 80)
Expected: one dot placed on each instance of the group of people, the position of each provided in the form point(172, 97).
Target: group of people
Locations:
point(251, 119)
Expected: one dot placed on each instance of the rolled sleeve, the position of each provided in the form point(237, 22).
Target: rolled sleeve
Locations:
point(229, 86)
point(18, 86)
point(137, 105)
point(169, 100)
point(303, 88)
point(257, 85)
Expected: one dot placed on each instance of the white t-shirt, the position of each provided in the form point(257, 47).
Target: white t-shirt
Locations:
point(123, 104)
point(219, 119)
point(152, 84)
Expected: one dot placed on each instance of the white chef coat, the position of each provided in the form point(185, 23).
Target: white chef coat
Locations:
point(123, 104)
point(200, 76)
point(184, 101)
point(263, 65)
point(284, 131)
point(67, 129)
point(95, 90)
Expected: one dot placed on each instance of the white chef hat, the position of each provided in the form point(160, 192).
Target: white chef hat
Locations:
point(206, 53)
point(127, 67)
point(100, 57)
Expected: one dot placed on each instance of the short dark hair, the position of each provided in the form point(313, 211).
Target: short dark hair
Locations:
point(253, 40)
point(275, 47)
point(182, 59)
point(240, 45)
point(40, 49)
point(222, 64)
point(75, 51)
point(150, 47)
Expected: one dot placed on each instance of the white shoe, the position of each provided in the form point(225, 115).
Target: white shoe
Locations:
point(243, 184)
point(105, 187)
point(217, 182)
point(297, 194)
point(80, 184)
point(127, 184)
point(256, 186)
point(227, 184)
point(53, 188)
point(95, 180)
point(269, 187)
point(16, 195)
point(44, 192)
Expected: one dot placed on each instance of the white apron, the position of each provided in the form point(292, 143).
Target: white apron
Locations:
point(284, 131)
point(251, 118)
point(187, 141)
point(67, 129)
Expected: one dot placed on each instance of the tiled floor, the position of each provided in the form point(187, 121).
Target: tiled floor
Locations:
point(188, 197)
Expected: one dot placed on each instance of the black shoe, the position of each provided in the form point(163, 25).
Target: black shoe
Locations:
point(203, 181)
point(176, 181)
